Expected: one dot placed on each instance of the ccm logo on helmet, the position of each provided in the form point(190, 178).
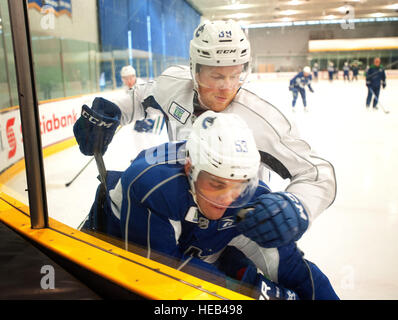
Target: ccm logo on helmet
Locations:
point(226, 51)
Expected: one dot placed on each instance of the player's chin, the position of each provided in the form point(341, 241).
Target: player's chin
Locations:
point(219, 105)
point(215, 212)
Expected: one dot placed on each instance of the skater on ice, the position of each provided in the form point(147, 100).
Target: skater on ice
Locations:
point(298, 84)
point(375, 78)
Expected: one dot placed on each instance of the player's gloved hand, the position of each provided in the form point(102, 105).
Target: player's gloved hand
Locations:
point(273, 220)
point(384, 84)
point(263, 288)
point(310, 88)
point(96, 126)
point(368, 84)
point(145, 125)
point(291, 88)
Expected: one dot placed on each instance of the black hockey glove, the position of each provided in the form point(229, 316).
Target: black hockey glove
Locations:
point(95, 128)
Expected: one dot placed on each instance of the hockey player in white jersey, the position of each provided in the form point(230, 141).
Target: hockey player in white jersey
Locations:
point(219, 65)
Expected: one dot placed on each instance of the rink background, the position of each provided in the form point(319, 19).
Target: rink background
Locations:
point(354, 241)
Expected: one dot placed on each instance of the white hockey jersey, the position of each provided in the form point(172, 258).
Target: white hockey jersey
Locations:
point(312, 179)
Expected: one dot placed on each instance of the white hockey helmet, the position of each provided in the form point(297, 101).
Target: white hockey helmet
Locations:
point(307, 69)
point(222, 145)
point(127, 71)
point(219, 43)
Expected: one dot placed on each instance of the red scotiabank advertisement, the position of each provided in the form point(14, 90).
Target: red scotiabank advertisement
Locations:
point(56, 125)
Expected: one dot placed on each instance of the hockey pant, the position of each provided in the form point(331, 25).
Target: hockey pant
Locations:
point(376, 91)
point(346, 76)
point(296, 91)
point(331, 73)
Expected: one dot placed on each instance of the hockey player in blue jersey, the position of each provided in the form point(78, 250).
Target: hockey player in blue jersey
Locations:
point(315, 71)
point(331, 71)
point(375, 78)
point(355, 71)
point(297, 85)
point(185, 199)
point(346, 72)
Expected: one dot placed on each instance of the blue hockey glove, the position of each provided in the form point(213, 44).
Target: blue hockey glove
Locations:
point(384, 84)
point(95, 128)
point(274, 219)
point(145, 125)
point(310, 88)
point(263, 288)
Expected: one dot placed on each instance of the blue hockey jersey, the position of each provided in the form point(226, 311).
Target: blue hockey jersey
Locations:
point(375, 76)
point(158, 210)
point(150, 204)
point(300, 81)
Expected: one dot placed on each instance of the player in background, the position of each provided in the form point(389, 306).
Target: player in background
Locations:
point(375, 78)
point(129, 78)
point(185, 199)
point(346, 72)
point(315, 70)
point(330, 71)
point(153, 123)
point(297, 85)
point(355, 71)
point(219, 66)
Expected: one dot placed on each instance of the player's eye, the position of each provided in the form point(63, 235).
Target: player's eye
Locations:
point(217, 186)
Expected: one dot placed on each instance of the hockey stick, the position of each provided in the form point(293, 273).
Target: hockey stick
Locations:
point(378, 101)
point(78, 174)
point(101, 169)
point(86, 165)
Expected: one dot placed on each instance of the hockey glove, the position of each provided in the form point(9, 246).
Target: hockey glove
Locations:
point(275, 219)
point(310, 88)
point(145, 125)
point(95, 128)
point(384, 84)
